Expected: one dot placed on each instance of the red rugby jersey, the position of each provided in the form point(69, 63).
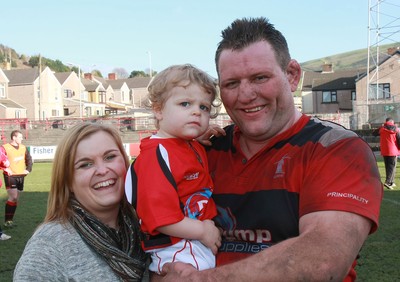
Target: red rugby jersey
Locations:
point(314, 166)
point(161, 200)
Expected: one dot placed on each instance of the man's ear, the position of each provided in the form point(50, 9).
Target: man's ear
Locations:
point(293, 72)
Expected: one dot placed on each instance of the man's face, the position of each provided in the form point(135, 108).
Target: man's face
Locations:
point(18, 138)
point(256, 92)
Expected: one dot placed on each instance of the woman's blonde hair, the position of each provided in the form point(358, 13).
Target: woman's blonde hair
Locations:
point(183, 76)
point(58, 206)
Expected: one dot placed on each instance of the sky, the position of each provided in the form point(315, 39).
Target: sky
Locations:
point(154, 34)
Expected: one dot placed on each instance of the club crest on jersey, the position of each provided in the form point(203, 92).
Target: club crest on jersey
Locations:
point(280, 167)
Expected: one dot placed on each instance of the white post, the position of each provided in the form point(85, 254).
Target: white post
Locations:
point(80, 90)
point(150, 70)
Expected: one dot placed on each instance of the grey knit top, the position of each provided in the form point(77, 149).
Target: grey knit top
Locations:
point(56, 252)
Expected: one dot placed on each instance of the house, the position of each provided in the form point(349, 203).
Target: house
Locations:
point(73, 93)
point(328, 91)
point(117, 94)
point(137, 89)
point(9, 108)
point(383, 94)
point(38, 92)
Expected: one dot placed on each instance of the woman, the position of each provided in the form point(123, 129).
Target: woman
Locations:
point(90, 232)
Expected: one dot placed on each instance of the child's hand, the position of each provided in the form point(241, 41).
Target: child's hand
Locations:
point(211, 236)
point(213, 130)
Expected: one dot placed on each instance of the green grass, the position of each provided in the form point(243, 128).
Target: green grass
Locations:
point(378, 261)
point(31, 211)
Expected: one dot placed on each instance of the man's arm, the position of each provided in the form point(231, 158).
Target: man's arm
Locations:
point(328, 243)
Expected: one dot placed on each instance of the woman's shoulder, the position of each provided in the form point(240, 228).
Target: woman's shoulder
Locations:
point(53, 234)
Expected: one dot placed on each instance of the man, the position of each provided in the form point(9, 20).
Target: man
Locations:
point(389, 133)
point(297, 196)
point(20, 166)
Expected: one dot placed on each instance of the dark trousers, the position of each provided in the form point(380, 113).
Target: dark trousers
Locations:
point(390, 168)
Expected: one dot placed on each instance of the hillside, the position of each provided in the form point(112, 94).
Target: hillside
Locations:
point(17, 60)
point(348, 60)
point(357, 59)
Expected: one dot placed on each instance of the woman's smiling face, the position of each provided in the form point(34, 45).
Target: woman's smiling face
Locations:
point(99, 174)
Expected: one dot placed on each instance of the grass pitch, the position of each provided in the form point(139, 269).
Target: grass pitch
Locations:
point(377, 262)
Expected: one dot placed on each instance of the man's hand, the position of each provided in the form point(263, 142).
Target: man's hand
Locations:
point(177, 271)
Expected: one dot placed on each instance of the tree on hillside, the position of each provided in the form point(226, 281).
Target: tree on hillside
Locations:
point(97, 73)
point(120, 72)
point(136, 73)
point(56, 66)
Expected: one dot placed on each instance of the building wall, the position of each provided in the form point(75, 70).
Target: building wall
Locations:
point(388, 72)
point(343, 103)
point(307, 102)
point(51, 102)
point(24, 95)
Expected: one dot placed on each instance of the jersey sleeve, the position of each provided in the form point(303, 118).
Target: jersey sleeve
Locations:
point(343, 177)
point(157, 199)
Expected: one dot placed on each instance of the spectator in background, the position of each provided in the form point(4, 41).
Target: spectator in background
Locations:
point(389, 133)
point(14, 176)
point(4, 163)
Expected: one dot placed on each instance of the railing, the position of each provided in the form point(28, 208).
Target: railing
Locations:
point(124, 124)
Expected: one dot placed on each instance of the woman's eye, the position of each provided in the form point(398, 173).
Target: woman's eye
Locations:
point(110, 157)
point(85, 165)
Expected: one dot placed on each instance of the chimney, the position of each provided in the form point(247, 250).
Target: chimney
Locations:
point(327, 68)
point(112, 76)
point(88, 75)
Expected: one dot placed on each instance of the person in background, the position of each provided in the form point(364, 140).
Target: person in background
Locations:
point(14, 176)
point(296, 196)
point(389, 133)
point(170, 175)
point(4, 163)
point(90, 232)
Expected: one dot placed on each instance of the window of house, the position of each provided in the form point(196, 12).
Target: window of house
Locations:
point(2, 90)
point(102, 97)
point(54, 113)
point(68, 93)
point(353, 95)
point(379, 91)
point(17, 114)
point(329, 97)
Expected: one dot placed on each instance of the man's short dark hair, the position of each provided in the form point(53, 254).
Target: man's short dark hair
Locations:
point(243, 32)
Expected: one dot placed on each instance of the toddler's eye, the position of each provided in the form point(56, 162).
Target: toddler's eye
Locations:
point(185, 104)
point(204, 108)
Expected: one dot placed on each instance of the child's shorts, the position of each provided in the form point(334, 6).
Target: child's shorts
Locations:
point(186, 251)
